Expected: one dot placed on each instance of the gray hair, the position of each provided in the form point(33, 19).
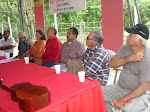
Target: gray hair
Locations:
point(98, 37)
point(53, 29)
point(144, 41)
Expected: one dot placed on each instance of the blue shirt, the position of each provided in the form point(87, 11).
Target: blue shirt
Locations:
point(23, 47)
point(96, 63)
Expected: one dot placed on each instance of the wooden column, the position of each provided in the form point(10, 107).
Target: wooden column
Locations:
point(39, 14)
point(112, 24)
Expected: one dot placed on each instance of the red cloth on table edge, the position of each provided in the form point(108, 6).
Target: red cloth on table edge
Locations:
point(67, 93)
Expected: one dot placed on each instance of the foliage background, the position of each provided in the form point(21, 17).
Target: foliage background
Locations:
point(9, 8)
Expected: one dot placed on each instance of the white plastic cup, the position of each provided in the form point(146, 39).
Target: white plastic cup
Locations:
point(81, 75)
point(2, 53)
point(7, 55)
point(26, 59)
point(57, 69)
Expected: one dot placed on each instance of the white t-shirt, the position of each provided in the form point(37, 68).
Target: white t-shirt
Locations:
point(9, 41)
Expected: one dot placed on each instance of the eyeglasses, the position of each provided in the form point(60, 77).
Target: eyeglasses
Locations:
point(88, 38)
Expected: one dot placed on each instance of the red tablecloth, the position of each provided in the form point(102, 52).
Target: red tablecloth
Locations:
point(67, 93)
point(2, 57)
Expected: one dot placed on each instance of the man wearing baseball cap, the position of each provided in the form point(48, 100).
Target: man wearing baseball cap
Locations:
point(131, 93)
point(24, 44)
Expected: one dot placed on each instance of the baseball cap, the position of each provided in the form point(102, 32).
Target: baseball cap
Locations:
point(21, 34)
point(139, 29)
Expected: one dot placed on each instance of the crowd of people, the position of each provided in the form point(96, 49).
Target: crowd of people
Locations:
point(130, 94)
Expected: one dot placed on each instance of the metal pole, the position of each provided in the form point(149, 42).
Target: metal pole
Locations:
point(138, 13)
point(55, 21)
point(135, 16)
point(130, 13)
point(21, 16)
point(10, 26)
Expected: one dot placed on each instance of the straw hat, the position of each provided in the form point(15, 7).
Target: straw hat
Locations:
point(21, 34)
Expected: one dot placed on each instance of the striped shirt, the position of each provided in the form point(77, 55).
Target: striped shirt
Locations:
point(71, 51)
point(96, 63)
point(23, 47)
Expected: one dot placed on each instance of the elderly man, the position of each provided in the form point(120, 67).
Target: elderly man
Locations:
point(24, 44)
point(95, 60)
point(72, 49)
point(131, 94)
point(8, 43)
point(52, 52)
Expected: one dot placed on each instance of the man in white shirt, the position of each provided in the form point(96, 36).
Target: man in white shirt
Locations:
point(7, 43)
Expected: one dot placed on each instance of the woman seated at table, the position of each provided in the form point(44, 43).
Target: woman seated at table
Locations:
point(38, 47)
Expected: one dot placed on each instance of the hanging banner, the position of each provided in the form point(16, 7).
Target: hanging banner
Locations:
point(58, 6)
point(38, 2)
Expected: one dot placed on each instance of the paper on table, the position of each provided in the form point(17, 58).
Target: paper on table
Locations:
point(8, 60)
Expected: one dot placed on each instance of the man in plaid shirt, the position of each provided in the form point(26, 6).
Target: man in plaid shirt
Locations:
point(95, 60)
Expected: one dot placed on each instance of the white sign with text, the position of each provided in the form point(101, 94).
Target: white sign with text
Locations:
point(57, 6)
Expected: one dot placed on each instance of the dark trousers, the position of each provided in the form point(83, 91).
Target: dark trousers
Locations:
point(49, 64)
point(11, 54)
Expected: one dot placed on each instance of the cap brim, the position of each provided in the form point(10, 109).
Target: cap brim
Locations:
point(130, 30)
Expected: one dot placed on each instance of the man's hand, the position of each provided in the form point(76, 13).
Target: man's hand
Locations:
point(18, 57)
point(83, 70)
point(80, 61)
point(118, 104)
point(1, 48)
point(39, 62)
point(29, 42)
point(117, 61)
point(136, 57)
point(68, 63)
point(22, 57)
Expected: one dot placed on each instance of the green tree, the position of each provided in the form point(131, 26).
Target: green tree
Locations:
point(9, 8)
point(144, 9)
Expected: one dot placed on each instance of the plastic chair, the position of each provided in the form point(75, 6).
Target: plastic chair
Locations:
point(116, 72)
point(112, 53)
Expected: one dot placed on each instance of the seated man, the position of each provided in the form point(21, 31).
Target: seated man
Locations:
point(52, 52)
point(95, 60)
point(24, 44)
point(7, 43)
point(131, 92)
point(72, 49)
